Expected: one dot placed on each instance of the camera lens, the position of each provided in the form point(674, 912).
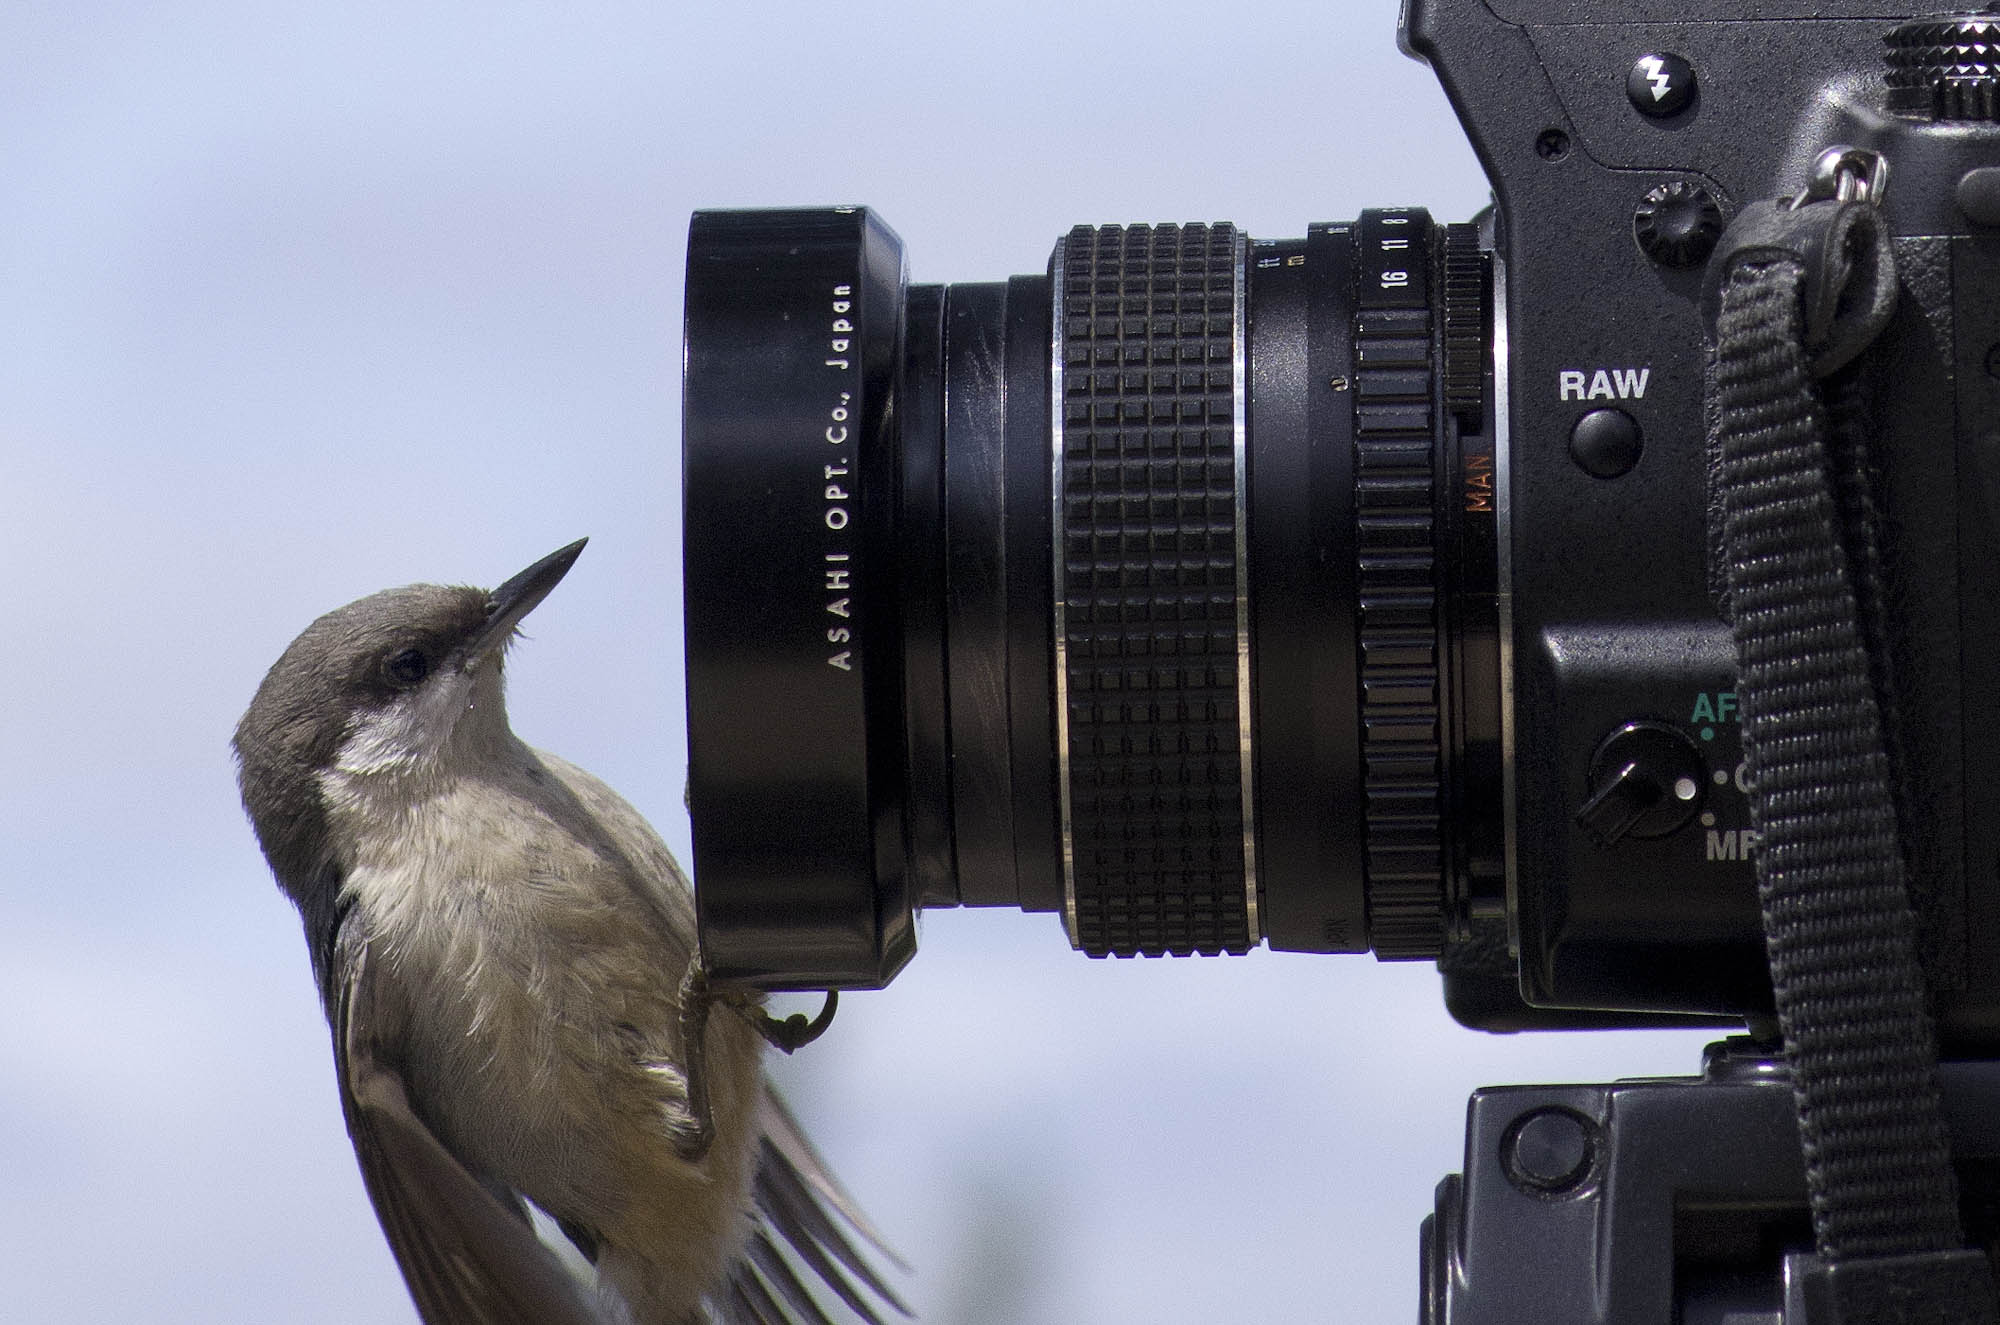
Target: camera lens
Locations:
point(1159, 591)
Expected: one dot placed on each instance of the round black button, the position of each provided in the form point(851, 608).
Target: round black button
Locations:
point(1979, 194)
point(1606, 442)
point(1660, 84)
point(1548, 1151)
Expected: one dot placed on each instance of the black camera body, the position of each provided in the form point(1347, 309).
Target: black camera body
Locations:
point(1614, 619)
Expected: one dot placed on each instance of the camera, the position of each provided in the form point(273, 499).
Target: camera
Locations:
point(1368, 592)
point(1319, 592)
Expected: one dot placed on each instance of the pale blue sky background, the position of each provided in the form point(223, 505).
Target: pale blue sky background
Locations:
point(299, 301)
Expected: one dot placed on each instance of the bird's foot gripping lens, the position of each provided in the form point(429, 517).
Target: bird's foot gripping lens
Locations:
point(790, 1034)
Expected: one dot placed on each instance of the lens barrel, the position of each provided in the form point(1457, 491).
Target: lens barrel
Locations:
point(1159, 591)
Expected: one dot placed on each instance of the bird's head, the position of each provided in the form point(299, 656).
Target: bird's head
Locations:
point(387, 687)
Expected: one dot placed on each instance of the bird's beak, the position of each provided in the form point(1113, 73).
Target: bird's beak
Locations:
point(515, 599)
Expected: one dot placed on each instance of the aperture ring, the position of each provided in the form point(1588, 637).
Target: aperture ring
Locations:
point(1396, 419)
point(1151, 606)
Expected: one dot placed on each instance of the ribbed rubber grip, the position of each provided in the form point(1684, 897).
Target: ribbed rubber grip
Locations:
point(1149, 595)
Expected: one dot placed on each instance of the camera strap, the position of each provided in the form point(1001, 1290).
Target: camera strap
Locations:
point(1799, 290)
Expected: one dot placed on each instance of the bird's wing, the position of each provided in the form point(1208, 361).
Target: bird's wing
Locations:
point(800, 1208)
point(466, 1257)
point(804, 1211)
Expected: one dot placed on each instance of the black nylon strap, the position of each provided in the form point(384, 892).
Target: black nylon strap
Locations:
point(1838, 923)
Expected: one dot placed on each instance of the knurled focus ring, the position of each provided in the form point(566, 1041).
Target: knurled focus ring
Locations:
point(1151, 613)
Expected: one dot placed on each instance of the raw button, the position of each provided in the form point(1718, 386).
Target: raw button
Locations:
point(1606, 442)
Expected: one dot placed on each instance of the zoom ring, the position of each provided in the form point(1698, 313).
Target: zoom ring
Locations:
point(1148, 596)
point(1395, 418)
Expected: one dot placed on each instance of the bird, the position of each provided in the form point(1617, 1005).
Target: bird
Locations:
point(508, 959)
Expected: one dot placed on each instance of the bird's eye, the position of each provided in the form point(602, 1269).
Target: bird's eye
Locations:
point(407, 668)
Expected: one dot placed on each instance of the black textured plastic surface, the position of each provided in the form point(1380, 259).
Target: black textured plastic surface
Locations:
point(1931, 1288)
point(1395, 529)
point(1947, 68)
point(1149, 589)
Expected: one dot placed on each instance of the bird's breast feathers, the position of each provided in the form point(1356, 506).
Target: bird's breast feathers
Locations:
point(530, 951)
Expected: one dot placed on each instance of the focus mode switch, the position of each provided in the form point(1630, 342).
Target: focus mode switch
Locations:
point(1646, 780)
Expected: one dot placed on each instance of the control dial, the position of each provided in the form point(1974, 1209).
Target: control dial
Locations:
point(1946, 68)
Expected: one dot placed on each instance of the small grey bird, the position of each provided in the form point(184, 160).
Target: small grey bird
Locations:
point(507, 955)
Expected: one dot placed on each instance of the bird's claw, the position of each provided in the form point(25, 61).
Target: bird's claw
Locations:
point(695, 1134)
point(796, 1031)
